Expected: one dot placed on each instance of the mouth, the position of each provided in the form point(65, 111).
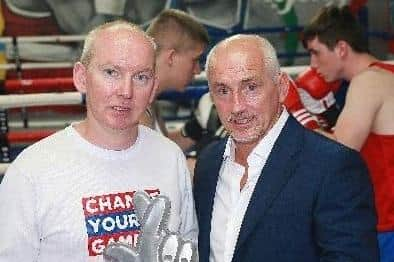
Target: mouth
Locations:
point(121, 108)
point(242, 122)
point(321, 75)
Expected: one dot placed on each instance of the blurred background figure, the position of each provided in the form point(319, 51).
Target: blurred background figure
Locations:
point(339, 50)
point(181, 41)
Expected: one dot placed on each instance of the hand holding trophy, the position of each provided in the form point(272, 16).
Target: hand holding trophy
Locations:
point(155, 242)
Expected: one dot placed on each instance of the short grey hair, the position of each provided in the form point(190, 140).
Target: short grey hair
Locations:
point(270, 59)
point(88, 46)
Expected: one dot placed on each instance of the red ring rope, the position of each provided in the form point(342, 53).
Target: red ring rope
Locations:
point(39, 85)
point(30, 136)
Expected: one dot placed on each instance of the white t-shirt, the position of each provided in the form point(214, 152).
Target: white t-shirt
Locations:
point(64, 199)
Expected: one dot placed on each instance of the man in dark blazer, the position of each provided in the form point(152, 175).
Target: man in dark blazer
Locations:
point(274, 191)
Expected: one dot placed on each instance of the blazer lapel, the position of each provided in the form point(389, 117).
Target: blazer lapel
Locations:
point(211, 169)
point(275, 174)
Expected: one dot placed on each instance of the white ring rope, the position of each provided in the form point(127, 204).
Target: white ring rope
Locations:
point(51, 123)
point(41, 65)
point(37, 39)
point(40, 99)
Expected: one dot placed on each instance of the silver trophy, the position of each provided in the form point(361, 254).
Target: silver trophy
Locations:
point(156, 243)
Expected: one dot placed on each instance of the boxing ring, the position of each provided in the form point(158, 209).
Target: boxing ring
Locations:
point(60, 91)
point(23, 94)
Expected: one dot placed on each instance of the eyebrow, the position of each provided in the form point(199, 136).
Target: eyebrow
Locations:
point(312, 50)
point(120, 68)
point(149, 71)
point(102, 66)
point(218, 84)
point(249, 79)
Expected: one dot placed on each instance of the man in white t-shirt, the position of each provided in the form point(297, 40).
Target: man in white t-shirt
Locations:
point(66, 197)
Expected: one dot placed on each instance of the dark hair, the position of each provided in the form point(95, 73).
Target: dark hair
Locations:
point(176, 29)
point(332, 24)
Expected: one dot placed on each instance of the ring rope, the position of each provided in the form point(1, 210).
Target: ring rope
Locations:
point(40, 99)
point(38, 39)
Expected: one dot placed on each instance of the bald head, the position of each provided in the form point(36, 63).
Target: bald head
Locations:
point(253, 45)
point(114, 27)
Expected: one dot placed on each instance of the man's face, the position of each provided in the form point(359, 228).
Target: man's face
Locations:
point(186, 65)
point(246, 98)
point(119, 81)
point(326, 62)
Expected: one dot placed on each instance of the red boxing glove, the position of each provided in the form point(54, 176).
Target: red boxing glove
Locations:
point(318, 96)
point(296, 108)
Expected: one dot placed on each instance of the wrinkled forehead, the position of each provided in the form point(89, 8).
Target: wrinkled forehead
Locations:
point(235, 59)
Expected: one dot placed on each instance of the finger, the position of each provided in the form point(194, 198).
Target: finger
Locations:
point(119, 252)
point(155, 222)
point(141, 200)
point(188, 252)
point(156, 216)
point(168, 248)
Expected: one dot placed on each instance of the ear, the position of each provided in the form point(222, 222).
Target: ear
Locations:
point(283, 85)
point(341, 49)
point(170, 56)
point(79, 77)
point(154, 90)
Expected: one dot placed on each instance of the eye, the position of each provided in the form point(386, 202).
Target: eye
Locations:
point(196, 61)
point(142, 78)
point(201, 62)
point(222, 90)
point(111, 72)
point(251, 87)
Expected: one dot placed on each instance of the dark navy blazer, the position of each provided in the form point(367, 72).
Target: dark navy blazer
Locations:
point(312, 202)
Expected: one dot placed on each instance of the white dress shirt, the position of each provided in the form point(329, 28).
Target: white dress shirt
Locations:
point(230, 202)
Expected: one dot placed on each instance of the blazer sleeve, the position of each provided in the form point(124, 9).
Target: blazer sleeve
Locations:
point(345, 216)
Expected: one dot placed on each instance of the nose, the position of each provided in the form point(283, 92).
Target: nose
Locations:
point(238, 102)
point(313, 62)
point(197, 68)
point(125, 89)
